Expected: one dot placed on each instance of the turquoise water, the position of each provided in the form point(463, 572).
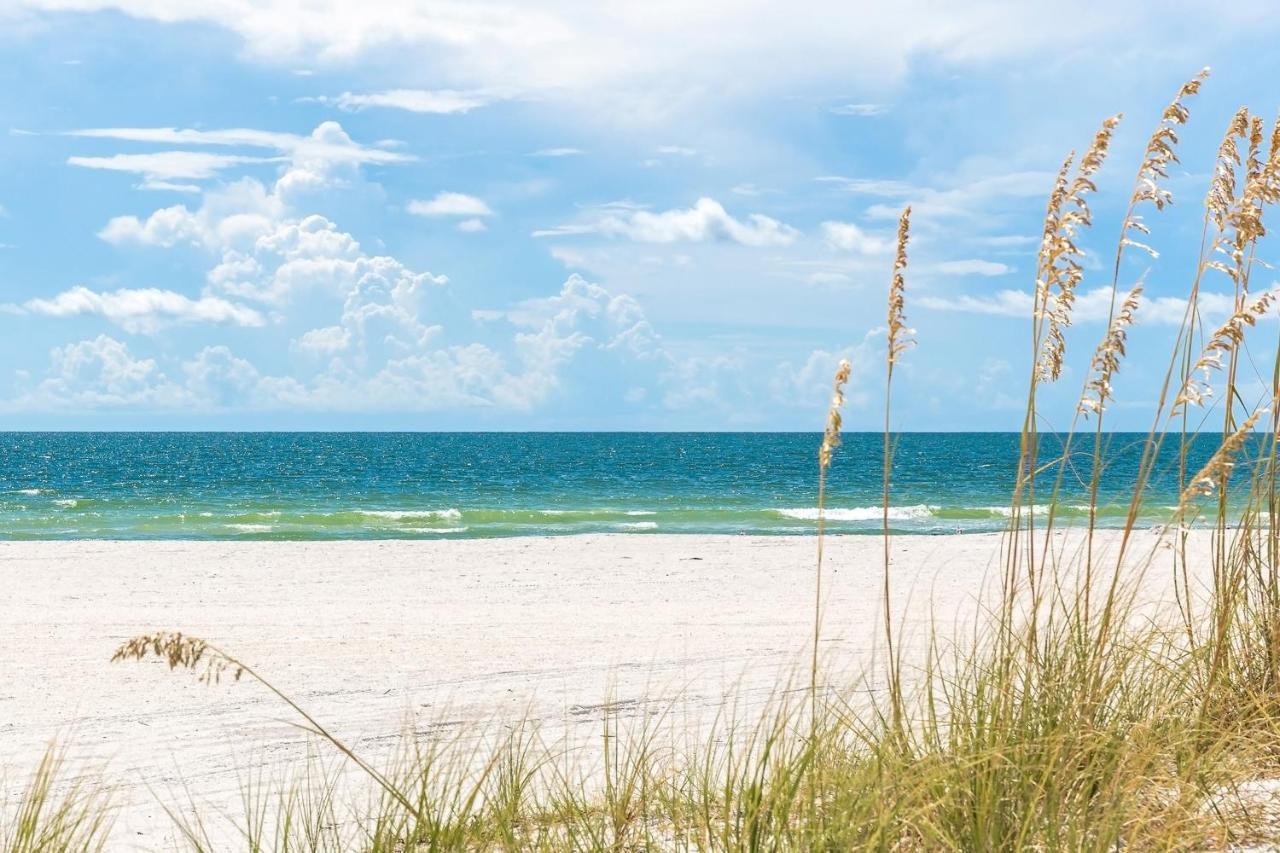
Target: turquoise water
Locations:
point(449, 485)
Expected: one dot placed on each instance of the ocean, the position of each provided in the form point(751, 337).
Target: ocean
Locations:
point(449, 485)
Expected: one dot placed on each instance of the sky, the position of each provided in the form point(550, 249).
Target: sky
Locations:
point(420, 215)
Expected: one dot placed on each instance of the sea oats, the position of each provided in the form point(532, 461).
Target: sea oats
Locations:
point(831, 434)
point(1106, 359)
point(1225, 340)
point(180, 650)
point(1215, 472)
point(899, 335)
point(1160, 147)
point(1222, 188)
point(1059, 271)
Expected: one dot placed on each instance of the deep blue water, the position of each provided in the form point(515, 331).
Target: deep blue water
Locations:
point(396, 485)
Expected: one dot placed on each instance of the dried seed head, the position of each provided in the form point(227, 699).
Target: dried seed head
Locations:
point(1224, 341)
point(1222, 189)
point(1160, 154)
point(831, 434)
point(1058, 268)
point(179, 650)
point(1106, 359)
point(1217, 470)
point(899, 334)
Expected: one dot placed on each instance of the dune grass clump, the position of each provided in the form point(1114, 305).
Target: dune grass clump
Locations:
point(1078, 715)
point(56, 812)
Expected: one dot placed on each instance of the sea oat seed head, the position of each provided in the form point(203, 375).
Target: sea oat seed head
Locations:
point(1106, 359)
point(1216, 471)
point(179, 650)
point(899, 335)
point(831, 434)
point(1224, 341)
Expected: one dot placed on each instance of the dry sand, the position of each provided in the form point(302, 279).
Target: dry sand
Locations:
point(375, 636)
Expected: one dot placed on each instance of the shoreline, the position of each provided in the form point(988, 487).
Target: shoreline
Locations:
point(373, 636)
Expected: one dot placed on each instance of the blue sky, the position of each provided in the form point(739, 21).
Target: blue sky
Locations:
point(566, 215)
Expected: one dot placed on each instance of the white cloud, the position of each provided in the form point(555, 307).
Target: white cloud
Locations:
point(472, 226)
point(848, 237)
point(962, 199)
point(324, 341)
point(706, 220)
point(264, 253)
point(972, 266)
point(439, 101)
point(871, 186)
point(145, 310)
point(864, 110)
point(677, 150)
point(166, 227)
point(557, 152)
point(1006, 241)
point(328, 143)
point(101, 373)
point(659, 48)
point(161, 167)
point(1091, 306)
point(450, 204)
point(1007, 303)
point(809, 384)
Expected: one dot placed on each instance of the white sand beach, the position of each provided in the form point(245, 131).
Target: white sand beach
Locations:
point(375, 636)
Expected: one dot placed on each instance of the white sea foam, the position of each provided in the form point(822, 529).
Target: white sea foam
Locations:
point(861, 513)
point(637, 525)
point(400, 514)
point(436, 529)
point(66, 502)
point(30, 491)
point(251, 528)
point(1007, 511)
point(634, 512)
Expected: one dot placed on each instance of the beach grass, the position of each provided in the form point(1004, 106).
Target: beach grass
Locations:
point(1078, 715)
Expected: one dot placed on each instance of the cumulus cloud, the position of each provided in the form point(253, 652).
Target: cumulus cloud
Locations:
point(101, 373)
point(144, 310)
point(325, 341)
point(450, 204)
point(707, 220)
point(264, 252)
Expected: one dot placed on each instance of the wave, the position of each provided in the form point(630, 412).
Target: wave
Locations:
point(401, 514)
point(586, 512)
point(861, 513)
point(637, 525)
point(32, 492)
point(250, 528)
point(436, 529)
point(67, 503)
